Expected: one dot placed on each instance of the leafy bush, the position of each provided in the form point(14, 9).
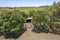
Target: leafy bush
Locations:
point(11, 21)
point(47, 18)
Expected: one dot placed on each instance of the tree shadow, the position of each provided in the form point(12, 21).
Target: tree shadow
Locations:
point(46, 30)
point(37, 30)
point(1, 33)
point(14, 36)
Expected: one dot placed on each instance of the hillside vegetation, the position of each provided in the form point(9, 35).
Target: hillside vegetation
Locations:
point(45, 18)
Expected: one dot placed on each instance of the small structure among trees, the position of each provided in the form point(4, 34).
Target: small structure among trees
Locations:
point(28, 20)
point(28, 24)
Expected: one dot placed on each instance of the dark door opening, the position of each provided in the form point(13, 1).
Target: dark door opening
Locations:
point(28, 20)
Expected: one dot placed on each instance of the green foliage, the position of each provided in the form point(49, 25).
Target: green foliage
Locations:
point(11, 21)
point(47, 17)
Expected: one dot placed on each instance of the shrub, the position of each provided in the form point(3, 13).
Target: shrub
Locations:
point(11, 21)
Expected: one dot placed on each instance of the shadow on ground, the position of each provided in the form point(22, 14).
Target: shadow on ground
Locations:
point(1, 33)
point(37, 30)
point(14, 36)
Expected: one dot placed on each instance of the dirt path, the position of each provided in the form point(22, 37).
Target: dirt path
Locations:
point(28, 26)
point(29, 35)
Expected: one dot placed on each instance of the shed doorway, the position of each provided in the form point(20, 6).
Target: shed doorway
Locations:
point(28, 20)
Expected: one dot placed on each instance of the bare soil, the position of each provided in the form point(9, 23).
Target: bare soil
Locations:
point(29, 35)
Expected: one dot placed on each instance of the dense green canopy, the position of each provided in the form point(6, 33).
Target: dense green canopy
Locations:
point(12, 20)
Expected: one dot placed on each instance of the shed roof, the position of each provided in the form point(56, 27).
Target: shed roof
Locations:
point(29, 18)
